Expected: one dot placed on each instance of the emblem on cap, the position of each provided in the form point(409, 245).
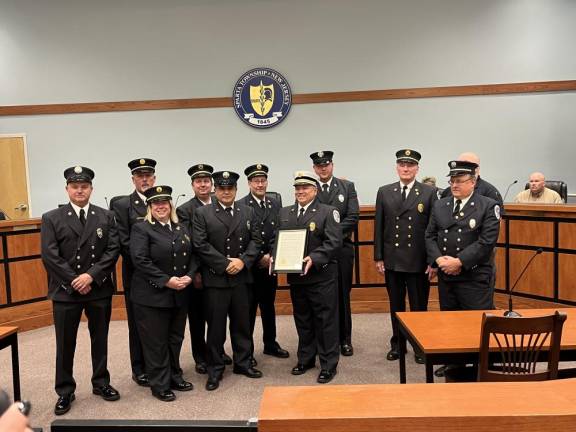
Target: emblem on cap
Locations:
point(407, 152)
point(142, 161)
point(226, 174)
point(320, 153)
point(200, 166)
point(259, 166)
point(159, 189)
point(78, 169)
point(420, 208)
point(453, 164)
point(312, 226)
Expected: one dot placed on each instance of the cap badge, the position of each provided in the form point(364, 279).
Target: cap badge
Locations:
point(200, 166)
point(259, 166)
point(226, 174)
point(99, 232)
point(312, 226)
point(453, 164)
point(472, 223)
point(78, 169)
point(159, 189)
point(142, 161)
point(407, 152)
point(420, 208)
point(320, 154)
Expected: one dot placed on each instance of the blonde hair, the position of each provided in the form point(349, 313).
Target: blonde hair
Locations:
point(173, 216)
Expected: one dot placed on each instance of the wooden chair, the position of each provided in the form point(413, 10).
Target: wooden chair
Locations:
point(519, 344)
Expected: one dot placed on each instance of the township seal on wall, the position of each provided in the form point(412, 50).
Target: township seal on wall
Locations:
point(262, 98)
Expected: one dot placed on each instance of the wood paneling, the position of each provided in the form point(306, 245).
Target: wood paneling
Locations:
point(532, 233)
point(566, 279)
point(119, 283)
point(1, 247)
point(351, 96)
point(28, 280)
point(567, 235)
point(502, 233)
point(28, 316)
point(3, 299)
point(366, 230)
point(539, 278)
point(500, 268)
point(368, 272)
point(23, 245)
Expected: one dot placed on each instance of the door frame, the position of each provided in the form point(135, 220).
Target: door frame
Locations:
point(26, 166)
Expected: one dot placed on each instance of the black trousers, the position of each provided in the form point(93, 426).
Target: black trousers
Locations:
point(345, 270)
point(197, 323)
point(67, 317)
point(134, 342)
point(219, 303)
point(474, 292)
point(162, 332)
point(316, 318)
point(398, 284)
point(263, 295)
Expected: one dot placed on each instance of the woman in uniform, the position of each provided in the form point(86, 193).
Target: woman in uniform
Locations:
point(164, 267)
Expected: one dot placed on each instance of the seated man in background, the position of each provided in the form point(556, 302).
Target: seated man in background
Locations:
point(538, 192)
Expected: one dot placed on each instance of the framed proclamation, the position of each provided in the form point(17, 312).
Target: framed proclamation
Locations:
point(289, 251)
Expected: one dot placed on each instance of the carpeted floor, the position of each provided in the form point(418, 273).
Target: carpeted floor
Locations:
point(238, 397)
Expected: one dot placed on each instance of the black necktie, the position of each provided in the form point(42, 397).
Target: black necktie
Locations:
point(263, 205)
point(457, 208)
point(229, 211)
point(82, 217)
point(404, 194)
point(301, 213)
point(325, 188)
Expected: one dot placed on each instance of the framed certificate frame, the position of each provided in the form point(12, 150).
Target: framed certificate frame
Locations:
point(289, 250)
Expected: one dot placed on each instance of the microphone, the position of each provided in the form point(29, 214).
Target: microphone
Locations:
point(508, 189)
point(107, 204)
point(177, 198)
point(510, 313)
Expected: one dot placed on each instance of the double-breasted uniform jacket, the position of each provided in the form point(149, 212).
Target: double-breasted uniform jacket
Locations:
point(267, 220)
point(159, 253)
point(470, 236)
point(342, 195)
point(128, 209)
point(70, 249)
point(186, 212)
point(400, 226)
point(323, 243)
point(217, 237)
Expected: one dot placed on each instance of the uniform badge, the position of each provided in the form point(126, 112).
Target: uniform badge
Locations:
point(259, 166)
point(341, 198)
point(497, 211)
point(407, 152)
point(472, 223)
point(78, 169)
point(99, 232)
point(453, 164)
point(225, 174)
point(320, 154)
point(159, 189)
point(312, 226)
point(248, 224)
point(142, 161)
point(200, 166)
point(336, 216)
point(262, 98)
point(421, 208)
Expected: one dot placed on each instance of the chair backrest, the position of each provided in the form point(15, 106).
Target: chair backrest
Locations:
point(276, 196)
point(556, 185)
point(519, 343)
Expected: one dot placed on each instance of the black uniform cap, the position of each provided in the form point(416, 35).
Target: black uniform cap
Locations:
point(322, 157)
point(200, 170)
point(142, 164)
point(225, 178)
point(458, 168)
point(158, 193)
point(407, 155)
point(78, 174)
point(256, 170)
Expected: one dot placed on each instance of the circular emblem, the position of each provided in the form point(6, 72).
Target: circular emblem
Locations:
point(420, 208)
point(407, 152)
point(341, 198)
point(312, 226)
point(453, 164)
point(336, 215)
point(320, 153)
point(262, 98)
point(225, 174)
point(142, 161)
point(200, 167)
point(78, 169)
point(158, 189)
point(472, 223)
point(259, 166)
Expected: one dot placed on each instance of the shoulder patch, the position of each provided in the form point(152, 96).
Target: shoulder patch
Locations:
point(497, 211)
point(336, 215)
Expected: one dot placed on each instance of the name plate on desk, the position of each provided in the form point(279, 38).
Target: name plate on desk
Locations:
point(289, 251)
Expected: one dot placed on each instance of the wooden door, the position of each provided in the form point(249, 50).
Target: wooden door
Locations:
point(14, 200)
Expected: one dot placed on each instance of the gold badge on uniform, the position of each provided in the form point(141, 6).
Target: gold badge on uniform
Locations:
point(142, 161)
point(99, 232)
point(259, 166)
point(226, 174)
point(472, 223)
point(200, 166)
point(312, 226)
point(159, 189)
point(407, 152)
point(420, 208)
point(78, 169)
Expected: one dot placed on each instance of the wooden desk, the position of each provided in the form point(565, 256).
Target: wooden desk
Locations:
point(9, 337)
point(453, 337)
point(530, 406)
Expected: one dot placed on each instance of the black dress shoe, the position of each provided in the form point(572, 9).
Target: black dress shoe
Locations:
point(182, 386)
point(326, 375)
point(346, 350)
point(213, 383)
point(64, 404)
point(250, 372)
point(419, 359)
point(141, 380)
point(301, 368)
point(226, 359)
point(107, 392)
point(164, 395)
point(277, 352)
point(201, 368)
point(441, 371)
point(253, 362)
point(393, 354)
